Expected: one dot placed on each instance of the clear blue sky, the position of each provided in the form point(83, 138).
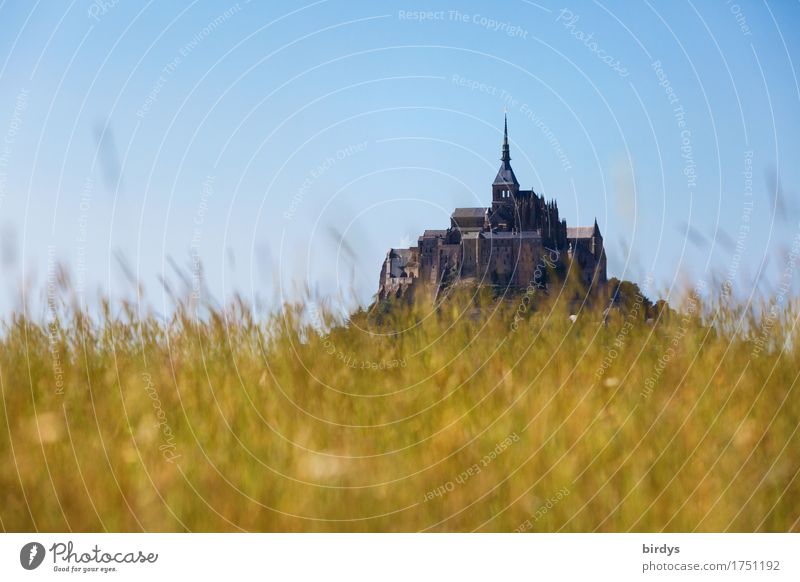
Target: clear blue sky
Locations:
point(257, 137)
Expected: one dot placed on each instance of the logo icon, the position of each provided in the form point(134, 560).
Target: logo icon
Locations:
point(31, 555)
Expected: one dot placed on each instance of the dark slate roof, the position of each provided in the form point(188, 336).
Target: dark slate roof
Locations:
point(504, 235)
point(469, 212)
point(505, 175)
point(580, 232)
point(434, 233)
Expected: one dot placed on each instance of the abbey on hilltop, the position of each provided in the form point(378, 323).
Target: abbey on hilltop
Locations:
point(514, 242)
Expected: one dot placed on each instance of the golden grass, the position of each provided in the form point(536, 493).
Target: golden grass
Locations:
point(232, 423)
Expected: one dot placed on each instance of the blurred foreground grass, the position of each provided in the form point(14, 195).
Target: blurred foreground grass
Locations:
point(457, 419)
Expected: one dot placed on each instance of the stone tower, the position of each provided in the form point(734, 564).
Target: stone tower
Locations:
point(505, 185)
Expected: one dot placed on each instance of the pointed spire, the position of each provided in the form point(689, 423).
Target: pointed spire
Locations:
point(506, 153)
point(505, 176)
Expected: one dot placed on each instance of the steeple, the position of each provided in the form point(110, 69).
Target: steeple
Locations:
point(506, 152)
point(505, 183)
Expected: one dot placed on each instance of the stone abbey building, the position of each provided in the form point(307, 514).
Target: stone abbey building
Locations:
point(507, 244)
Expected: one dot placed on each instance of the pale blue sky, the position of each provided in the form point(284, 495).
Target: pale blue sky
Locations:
point(253, 135)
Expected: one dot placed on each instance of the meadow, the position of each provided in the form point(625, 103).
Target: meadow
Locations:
point(477, 415)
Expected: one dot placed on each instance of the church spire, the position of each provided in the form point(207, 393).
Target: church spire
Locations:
point(506, 153)
point(505, 183)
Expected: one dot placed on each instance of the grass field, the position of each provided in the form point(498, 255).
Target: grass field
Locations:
point(487, 417)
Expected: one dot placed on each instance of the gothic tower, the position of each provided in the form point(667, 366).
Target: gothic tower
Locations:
point(505, 186)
